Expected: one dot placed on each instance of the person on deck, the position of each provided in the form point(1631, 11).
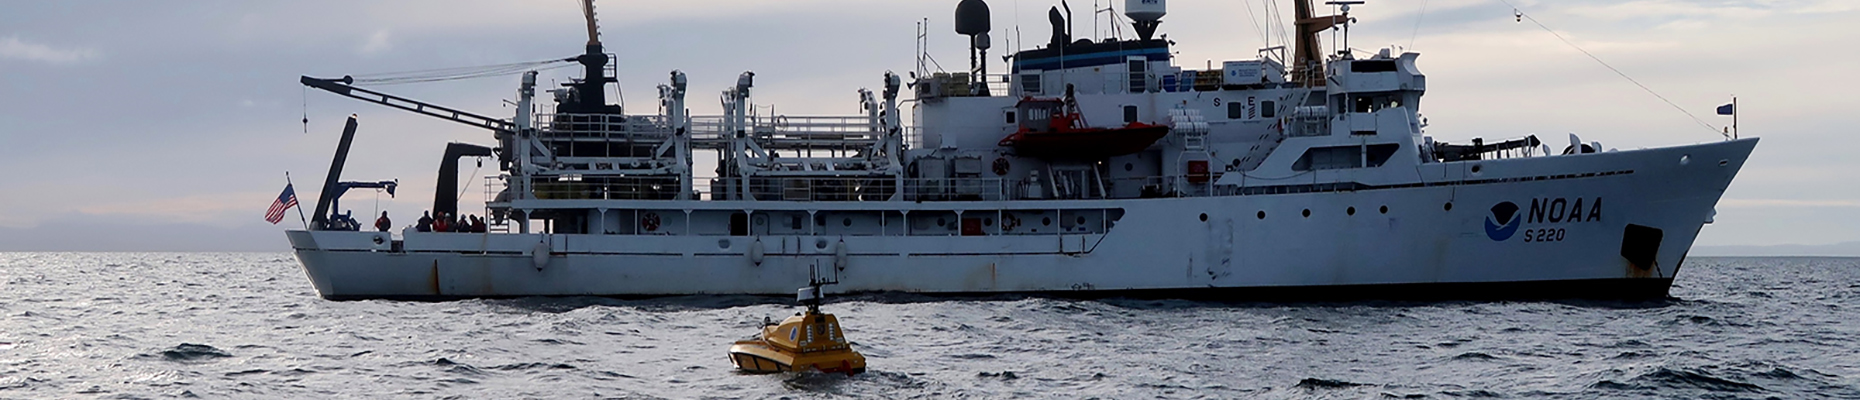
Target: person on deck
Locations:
point(441, 225)
point(426, 222)
point(383, 223)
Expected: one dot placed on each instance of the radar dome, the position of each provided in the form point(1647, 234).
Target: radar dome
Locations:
point(972, 17)
point(1144, 10)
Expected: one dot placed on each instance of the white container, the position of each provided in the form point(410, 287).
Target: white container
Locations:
point(1242, 73)
point(1145, 10)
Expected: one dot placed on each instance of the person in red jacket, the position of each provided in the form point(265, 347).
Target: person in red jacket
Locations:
point(383, 223)
point(441, 224)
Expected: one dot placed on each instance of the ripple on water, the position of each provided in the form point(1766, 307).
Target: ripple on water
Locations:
point(190, 353)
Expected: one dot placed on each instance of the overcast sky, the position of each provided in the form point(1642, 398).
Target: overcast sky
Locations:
point(138, 125)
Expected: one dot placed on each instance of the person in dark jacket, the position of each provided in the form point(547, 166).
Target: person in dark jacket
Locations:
point(426, 222)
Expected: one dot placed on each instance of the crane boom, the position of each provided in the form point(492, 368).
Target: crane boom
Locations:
point(345, 87)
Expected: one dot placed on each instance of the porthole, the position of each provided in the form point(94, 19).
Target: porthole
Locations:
point(820, 244)
point(1350, 211)
point(723, 243)
point(1385, 209)
point(1449, 206)
point(1307, 213)
point(1476, 168)
point(1081, 220)
point(846, 222)
point(1048, 221)
point(1129, 166)
point(988, 222)
point(941, 222)
point(1685, 159)
point(1204, 217)
point(1261, 215)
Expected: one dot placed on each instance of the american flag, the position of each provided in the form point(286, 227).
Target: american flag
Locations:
point(285, 201)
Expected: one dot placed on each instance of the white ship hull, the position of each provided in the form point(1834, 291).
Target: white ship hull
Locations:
point(1419, 248)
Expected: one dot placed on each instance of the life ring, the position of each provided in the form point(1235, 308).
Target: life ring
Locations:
point(649, 222)
point(1001, 166)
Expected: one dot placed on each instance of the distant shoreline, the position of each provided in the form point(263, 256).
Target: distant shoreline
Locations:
point(1843, 249)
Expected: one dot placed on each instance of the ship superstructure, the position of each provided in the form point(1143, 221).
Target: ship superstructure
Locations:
point(1098, 167)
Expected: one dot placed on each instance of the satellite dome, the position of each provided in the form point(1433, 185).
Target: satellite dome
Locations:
point(972, 17)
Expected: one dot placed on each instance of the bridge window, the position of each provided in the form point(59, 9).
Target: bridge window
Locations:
point(1342, 157)
point(1372, 66)
point(1236, 110)
point(1268, 109)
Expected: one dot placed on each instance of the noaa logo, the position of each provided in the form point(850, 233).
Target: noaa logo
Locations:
point(1508, 213)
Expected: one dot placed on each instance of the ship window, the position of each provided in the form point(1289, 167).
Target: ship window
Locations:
point(1372, 66)
point(1130, 114)
point(1030, 83)
point(1341, 157)
point(1268, 109)
point(1010, 116)
point(1235, 110)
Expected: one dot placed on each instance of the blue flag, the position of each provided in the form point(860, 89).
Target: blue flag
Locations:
point(1726, 110)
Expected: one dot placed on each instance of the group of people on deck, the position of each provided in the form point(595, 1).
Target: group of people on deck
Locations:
point(445, 223)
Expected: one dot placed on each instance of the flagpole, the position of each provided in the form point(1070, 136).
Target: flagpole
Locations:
point(300, 208)
point(1734, 117)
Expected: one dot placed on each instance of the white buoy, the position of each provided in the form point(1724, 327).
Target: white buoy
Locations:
point(839, 255)
point(540, 254)
point(755, 251)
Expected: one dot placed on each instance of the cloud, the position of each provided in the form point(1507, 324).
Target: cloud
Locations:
point(377, 43)
point(13, 47)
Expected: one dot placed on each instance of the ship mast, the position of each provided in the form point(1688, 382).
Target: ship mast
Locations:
point(590, 92)
point(1307, 55)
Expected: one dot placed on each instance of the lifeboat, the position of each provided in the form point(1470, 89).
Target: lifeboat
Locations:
point(807, 341)
point(1054, 129)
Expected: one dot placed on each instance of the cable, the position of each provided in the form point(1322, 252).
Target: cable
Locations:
point(1263, 37)
point(1623, 75)
point(1417, 23)
point(457, 73)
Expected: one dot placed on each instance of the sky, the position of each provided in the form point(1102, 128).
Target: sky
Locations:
point(170, 126)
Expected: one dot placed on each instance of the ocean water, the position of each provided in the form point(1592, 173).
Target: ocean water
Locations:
point(203, 325)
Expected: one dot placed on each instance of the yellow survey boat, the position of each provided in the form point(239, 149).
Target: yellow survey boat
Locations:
point(807, 341)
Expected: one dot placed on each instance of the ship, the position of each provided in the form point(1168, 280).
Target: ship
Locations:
point(1093, 167)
